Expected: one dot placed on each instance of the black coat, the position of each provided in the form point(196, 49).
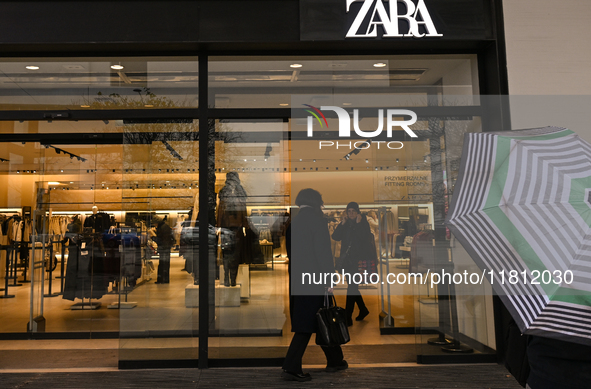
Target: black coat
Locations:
point(309, 250)
point(558, 364)
point(164, 237)
point(357, 237)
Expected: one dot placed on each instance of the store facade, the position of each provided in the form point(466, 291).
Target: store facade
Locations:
point(115, 126)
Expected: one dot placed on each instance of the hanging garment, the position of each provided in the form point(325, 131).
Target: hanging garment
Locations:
point(85, 277)
point(99, 222)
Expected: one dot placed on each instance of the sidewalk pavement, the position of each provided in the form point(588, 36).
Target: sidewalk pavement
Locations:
point(474, 376)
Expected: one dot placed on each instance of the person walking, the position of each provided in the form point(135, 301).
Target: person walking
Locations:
point(354, 233)
point(309, 251)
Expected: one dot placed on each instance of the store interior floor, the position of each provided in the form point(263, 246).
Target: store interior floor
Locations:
point(258, 328)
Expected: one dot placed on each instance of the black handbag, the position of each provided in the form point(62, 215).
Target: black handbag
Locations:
point(332, 324)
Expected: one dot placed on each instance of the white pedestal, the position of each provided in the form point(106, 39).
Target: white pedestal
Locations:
point(225, 296)
point(242, 279)
point(122, 305)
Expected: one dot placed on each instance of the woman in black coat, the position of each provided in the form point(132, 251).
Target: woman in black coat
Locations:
point(354, 233)
point(309, 251)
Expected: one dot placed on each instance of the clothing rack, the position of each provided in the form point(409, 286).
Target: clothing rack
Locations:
point(123, 282)
point(5, 289)
point(50, 269)
point(86, 305)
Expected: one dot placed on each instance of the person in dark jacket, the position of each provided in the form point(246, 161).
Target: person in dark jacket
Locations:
point(558, 364)
point(354, 233)
point(164, 240)
point(309, 251)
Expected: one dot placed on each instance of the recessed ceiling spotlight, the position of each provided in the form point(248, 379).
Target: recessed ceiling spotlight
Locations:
point(346, 103)
point(85, 106)
point(284, 104)
point(296, 65)
point(117, 67)
point(148, 105)
point(379, 65)
point(32, 67)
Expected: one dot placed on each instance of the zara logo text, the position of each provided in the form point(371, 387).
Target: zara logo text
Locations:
point(374, 11)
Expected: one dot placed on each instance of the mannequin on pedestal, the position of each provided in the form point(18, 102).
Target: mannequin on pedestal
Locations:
point(232, 216)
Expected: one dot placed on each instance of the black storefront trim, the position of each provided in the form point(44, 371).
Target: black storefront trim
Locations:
point(193, 363)
point(205, 299)
point(186, 115)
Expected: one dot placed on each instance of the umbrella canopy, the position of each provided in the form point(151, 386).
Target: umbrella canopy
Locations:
point(522, 209)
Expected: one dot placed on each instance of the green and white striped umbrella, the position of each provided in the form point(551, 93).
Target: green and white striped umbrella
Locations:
point(522, 209)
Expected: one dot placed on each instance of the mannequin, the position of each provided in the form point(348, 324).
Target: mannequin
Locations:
point(99, 221)
point(232, 217)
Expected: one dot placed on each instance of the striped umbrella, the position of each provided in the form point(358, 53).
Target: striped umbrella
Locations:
point(522, 209)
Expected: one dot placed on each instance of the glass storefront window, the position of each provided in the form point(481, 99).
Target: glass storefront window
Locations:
point(251, 180)
point(98, 83)
point(160, 198)
point(144, 175)
point(269, 82)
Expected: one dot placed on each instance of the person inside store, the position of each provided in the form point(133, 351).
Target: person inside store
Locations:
point(308, 250)
point(164, 240)
point(355, 236)
point(232, 217)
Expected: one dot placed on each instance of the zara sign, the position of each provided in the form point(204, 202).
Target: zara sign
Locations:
point(374, 13)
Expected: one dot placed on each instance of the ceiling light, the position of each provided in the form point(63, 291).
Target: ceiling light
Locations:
point(379, 65)
point(296, 65)
point(148, 106)
point(284, 104)
point(117, 67)
point(85, 106)
point(32, 67)
point(53, 183)
point(346, 103)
